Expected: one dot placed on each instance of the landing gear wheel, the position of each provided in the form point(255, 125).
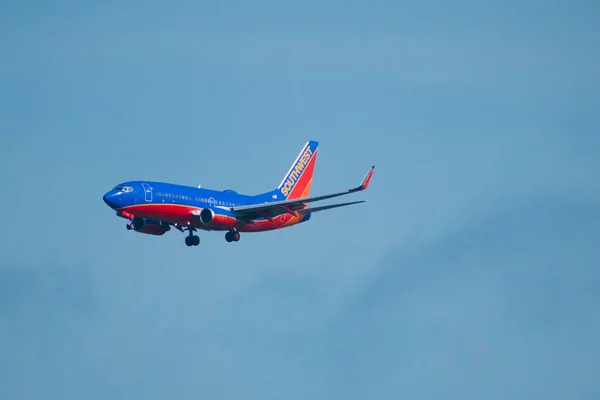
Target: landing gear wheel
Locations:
point(232, 236)
point(192, 240)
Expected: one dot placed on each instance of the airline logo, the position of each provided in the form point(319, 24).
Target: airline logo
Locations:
point(296, 173)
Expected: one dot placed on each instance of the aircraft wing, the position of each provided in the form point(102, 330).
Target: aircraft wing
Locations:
point(272, 209)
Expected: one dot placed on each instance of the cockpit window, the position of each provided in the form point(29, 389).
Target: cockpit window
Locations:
point(125, 189)
point(118, 188)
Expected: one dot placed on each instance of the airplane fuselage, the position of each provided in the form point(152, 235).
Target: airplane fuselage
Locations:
point(182, 205)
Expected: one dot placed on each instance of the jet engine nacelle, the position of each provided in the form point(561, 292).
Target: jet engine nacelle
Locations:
point(207, 216)
point(148, 226)
point(221, 219)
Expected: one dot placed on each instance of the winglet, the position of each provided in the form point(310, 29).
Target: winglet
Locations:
point(365, 182)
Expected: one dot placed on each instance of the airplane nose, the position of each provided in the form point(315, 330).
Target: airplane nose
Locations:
point(110, 198)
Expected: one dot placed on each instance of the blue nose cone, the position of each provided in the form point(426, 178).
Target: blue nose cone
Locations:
point(112, 199)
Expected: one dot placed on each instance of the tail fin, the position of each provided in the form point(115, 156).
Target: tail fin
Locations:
point(298, 180)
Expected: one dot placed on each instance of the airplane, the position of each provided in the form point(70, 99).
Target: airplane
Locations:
point(154, 207)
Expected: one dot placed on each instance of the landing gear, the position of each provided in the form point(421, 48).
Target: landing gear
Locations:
point(135, 224)
point(192, 240)
point(232, 236)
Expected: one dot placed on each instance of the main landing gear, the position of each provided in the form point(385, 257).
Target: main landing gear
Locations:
point(192, 240)
point(232, 236)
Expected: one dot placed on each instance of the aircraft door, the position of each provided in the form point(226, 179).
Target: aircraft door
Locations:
point(147, 192)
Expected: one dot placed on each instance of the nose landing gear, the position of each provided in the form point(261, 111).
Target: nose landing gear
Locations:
point(135, 224)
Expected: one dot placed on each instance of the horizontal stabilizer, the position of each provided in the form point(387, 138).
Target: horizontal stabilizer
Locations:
point(321, 208)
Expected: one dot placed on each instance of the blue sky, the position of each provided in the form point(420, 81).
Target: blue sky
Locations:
point(472, 272)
